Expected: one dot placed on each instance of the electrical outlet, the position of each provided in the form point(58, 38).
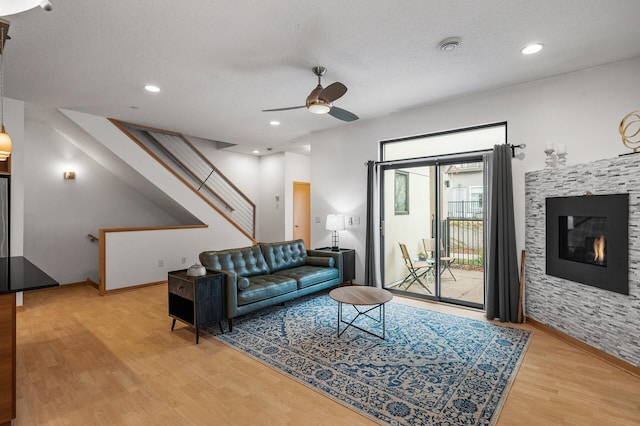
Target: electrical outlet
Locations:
point(160, 263)
point(184, 260)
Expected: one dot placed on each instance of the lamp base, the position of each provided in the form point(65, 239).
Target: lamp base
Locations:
point(335, 242)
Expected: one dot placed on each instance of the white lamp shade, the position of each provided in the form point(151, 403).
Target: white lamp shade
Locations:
point(11, 7)
point(335, 222)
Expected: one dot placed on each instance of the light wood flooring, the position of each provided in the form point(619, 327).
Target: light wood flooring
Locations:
point(83, 359)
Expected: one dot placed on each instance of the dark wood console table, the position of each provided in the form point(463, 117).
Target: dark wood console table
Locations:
point(197, 301)
point(348, 263)
point(16, 274)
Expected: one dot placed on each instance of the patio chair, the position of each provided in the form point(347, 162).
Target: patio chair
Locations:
point(445, 261)
point(417, 270)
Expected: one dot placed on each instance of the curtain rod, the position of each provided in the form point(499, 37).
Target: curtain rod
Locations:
point(460, 154)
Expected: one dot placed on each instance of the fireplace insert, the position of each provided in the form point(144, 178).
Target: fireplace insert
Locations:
point(587, 240)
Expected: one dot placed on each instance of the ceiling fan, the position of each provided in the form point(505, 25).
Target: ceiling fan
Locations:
point(320, 100)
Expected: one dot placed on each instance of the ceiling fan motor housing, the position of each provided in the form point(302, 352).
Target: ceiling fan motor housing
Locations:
point(314, 103)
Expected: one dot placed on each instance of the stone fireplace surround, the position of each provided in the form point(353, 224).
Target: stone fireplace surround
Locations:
point(605, 320)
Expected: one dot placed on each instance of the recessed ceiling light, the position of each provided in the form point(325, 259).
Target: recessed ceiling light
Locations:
point(151, 88)
point(274, 123)
point(532, 48)
point(255, 151)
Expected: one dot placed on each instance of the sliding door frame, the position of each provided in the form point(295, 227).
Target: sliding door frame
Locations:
point(437, 161)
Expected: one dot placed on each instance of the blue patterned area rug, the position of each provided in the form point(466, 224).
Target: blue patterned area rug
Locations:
point(432, 368)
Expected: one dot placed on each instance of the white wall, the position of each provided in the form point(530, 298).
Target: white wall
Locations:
point(277, 174)
point(271, 184)
point(581, 109)
point(59, 213)
point(143, 257)
point(14, 125)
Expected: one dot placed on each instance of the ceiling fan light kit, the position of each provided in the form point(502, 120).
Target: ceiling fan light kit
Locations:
point(319, 107)
point(320, 100)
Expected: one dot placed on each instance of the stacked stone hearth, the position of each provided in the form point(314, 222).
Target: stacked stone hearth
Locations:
point(603, 319)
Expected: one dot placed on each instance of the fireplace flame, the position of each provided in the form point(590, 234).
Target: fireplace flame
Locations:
point(598, 249)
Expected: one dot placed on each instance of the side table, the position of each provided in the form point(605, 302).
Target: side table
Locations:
point(348, 263)
point(197, 301)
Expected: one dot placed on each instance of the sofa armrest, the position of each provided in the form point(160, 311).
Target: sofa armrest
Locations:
point(336, 255)
point(231, 291)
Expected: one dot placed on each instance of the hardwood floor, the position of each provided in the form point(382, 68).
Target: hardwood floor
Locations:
point(83, 359)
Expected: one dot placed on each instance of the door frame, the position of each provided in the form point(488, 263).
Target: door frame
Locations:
point(302, 188)
point(437, 163)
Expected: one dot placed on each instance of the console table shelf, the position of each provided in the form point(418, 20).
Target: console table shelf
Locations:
point(196, 301)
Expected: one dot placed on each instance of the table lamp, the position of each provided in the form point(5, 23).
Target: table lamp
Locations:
point(335, 223)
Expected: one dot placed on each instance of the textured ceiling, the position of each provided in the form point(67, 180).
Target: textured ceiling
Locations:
point(219, 63)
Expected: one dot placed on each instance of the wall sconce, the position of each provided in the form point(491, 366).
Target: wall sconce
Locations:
point(335, 223)
point(69, 175)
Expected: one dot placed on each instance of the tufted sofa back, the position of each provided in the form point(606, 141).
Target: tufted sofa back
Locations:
point(245, 261)
point(284, 255)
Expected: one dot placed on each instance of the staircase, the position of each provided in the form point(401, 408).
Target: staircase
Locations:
point(180, 157)
point(221, 216)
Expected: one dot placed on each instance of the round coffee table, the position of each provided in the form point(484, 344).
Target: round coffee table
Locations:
point(357, 296)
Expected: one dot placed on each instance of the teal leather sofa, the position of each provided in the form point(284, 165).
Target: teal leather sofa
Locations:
point(271, 273)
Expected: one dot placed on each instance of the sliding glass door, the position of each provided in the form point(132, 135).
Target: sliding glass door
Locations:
point(432, 242)
point(461, 233)
point(432, 213)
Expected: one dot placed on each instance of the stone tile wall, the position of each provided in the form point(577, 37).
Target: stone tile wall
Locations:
point(603, 319)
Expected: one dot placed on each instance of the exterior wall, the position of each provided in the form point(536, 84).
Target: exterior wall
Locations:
point(606, 320)
point(581, 109)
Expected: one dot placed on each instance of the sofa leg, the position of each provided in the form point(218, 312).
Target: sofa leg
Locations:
point(230, 324)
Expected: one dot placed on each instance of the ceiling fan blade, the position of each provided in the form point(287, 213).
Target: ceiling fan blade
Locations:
point(332, 92)
point(284, 109)
point(342, 114)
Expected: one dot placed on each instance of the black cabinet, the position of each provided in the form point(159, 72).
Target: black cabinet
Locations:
point(197, 301)
point(348, 263)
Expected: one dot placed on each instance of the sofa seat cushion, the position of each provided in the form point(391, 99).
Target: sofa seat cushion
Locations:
point(265, 287)
point(308, 275)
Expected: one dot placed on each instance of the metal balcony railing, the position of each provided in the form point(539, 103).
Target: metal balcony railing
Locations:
point(464, 209)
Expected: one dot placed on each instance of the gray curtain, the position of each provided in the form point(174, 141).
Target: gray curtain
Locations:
point(371, 270)
point(501, 263)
